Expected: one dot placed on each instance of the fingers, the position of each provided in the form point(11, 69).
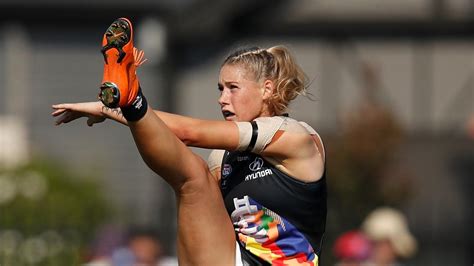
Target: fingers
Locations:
point(64, 113)
point(63, 119)
point(94, 120)
point(67, 112)
point(58, 112)
point(67, 117)
point(58, 122)
point(61, 106)
point(90, 122)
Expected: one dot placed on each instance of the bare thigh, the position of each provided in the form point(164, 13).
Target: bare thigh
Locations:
point(205, 232)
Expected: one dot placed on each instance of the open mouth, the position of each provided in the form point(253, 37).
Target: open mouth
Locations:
point(227, 114)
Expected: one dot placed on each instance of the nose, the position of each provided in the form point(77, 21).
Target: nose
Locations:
point(223, 99)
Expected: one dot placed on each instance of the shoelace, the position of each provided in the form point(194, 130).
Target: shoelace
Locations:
point(139, 55)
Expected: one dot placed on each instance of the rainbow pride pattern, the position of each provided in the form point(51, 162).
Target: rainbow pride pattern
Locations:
point(269, 236)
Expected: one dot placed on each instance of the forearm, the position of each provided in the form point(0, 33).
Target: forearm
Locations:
point(185, 128)
point(207, 134)
point(179, 125)
point(192, 132)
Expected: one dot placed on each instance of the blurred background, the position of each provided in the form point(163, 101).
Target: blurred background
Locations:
point(392, 96)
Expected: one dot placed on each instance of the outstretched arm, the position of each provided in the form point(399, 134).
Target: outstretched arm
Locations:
point(193, 132)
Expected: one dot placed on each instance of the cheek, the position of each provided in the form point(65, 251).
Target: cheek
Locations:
point(249, 106)
point(255, 100)
point(239, 104)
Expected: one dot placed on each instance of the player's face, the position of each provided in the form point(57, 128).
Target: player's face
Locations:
point(241, 96)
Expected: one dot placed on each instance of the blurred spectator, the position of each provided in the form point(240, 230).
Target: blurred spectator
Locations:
point(391, 238)
point(147, 250)
point(108, 238)
point(352, 249)
point(143, 248)
point(470, 127)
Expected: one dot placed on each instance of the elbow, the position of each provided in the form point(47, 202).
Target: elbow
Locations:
point(188, 136)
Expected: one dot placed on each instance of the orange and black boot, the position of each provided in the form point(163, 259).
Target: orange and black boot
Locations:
point(120, 86)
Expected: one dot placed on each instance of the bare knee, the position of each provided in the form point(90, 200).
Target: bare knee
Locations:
point(199, 180)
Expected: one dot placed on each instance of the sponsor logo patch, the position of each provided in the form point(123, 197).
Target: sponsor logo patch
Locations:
point(256, 164)
point(258, 174)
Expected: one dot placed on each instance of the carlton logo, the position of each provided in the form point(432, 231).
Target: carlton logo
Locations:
point(256, 164)
point(226, 170)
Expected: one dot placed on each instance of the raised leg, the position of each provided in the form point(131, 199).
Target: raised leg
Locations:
point(205, 232)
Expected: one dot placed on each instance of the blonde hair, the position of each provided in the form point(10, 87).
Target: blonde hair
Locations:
point(275, 64)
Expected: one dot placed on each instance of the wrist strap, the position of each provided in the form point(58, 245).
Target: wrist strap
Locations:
point(138, 108)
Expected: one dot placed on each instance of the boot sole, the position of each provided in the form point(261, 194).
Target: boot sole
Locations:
point(117, 36)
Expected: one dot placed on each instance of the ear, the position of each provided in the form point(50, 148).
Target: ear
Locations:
point(268, 88)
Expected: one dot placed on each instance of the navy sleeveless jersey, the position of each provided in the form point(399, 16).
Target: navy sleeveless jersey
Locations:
point(277, 218)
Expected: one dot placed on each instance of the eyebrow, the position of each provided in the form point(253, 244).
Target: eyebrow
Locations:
point(227, 83)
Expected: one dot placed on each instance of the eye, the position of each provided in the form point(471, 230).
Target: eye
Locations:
point(233, 87)
point(220, 87)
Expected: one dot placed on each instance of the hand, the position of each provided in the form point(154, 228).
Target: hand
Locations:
point(68, 112)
